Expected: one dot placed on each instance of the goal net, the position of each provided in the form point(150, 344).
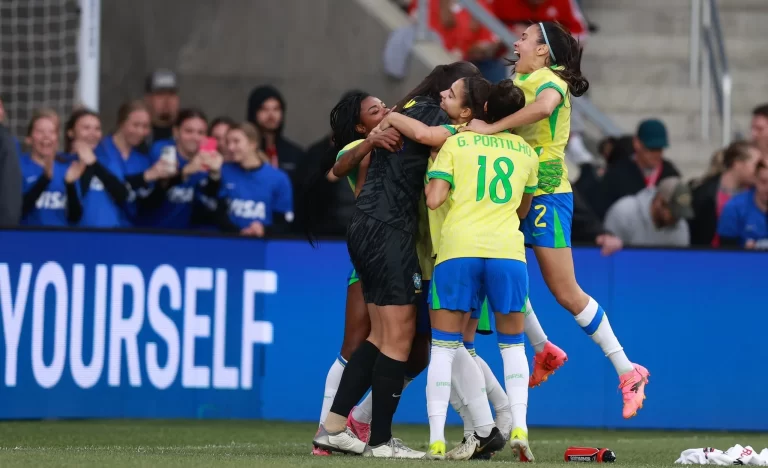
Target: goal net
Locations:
point(38, 58)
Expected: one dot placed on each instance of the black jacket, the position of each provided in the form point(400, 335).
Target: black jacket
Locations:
point(626, 178)
point(10, 180)
point(704, 224)
point(289, 155)
point(586, 226)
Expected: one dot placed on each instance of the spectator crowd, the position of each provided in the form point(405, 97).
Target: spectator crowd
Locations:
point(169, 167)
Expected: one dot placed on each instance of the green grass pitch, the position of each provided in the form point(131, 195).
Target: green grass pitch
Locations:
point(198, 443)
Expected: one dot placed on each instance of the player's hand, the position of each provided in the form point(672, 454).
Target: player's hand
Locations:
point(388, 139)
point(74, 171)
point(477, 126)
point(610, 244)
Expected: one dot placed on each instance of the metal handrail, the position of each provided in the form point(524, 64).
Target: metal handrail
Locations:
point(709, 67)
point(582, 104)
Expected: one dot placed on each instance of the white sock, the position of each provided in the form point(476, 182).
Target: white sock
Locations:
point(533, 329)
point(516, 375)
point(594, 322)
point(444, 346)
point(332, 386)
point(493, 389)
point(468, 376)
point(461, 408)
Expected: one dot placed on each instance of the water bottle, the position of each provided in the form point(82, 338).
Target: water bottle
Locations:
point(589, 454)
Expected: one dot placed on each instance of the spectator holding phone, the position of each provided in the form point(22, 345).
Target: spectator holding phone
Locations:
point(255, 198)
point(51, 194)
point(172, 201)
point(744, 220)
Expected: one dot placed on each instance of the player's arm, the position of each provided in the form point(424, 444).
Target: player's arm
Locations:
point(418, 131)
point(440, 178)
point(362, 173)
point(545, 104)
point(388, 139)
point(530, 188)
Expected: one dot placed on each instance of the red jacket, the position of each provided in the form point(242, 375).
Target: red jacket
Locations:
point(462, 36)
point(565, 12)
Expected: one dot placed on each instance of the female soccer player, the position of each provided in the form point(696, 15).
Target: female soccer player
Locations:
point(255, 198)
point(491, 181)
point(549, 72)
point(463, 101)
point(382, 243)
point(51, 195)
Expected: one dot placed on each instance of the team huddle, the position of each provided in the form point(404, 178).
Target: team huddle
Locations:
point(452, 184)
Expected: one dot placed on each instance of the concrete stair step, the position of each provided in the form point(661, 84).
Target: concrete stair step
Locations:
point(725, 5)
point(667, 98)
point(665, 48)
point(626, 71)
point(675, 22)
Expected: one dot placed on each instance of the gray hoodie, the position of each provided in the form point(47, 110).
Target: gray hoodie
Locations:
point(630, 219)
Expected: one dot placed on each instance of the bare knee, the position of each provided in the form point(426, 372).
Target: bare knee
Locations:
point(571, 297)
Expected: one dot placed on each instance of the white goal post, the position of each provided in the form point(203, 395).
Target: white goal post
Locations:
point(88, 51)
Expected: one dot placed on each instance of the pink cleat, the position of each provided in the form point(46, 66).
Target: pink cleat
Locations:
point(360, 429)
point(632, 386)
point(545, 363)
point(317, 451)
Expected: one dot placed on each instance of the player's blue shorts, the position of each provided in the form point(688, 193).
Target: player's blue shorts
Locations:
point(423, 324)
point(457, 284)
point(548, 224)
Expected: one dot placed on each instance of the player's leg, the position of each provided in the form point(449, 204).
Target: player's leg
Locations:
point(363, 240)
point(396, 279)
point(493, 389)
point(548, 357)
point(555, 260)
point(507, 286)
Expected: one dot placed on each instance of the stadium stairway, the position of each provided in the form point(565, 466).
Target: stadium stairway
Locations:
point(638, 65)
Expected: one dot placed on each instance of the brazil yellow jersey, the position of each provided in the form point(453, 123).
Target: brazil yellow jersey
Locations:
point(430, 223)
point(352, 176)
point(488, 175)
point(548, 137)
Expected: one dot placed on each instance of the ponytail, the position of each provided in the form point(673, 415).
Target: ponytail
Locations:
point(564, 53)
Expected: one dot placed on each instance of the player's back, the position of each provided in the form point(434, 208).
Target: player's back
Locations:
point(490, 174)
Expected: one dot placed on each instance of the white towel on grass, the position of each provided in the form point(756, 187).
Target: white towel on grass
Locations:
point(736, 455)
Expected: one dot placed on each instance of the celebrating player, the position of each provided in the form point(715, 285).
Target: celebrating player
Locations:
point(491, 180)
point(464, 100)
point(549, 72)
point(382, 244)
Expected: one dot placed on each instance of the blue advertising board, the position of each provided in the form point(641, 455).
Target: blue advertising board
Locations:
point(99, 324)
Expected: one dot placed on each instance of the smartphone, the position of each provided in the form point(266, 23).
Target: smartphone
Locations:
point(209, 145)
point(169, 155)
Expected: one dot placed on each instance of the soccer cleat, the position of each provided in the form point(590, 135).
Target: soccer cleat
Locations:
point(392, 449)
point(632, 386)
point(436, 451)
point(319, 452)
point(464, 450)
point(520, 446)
point(360, 429)
point(545, 363)
point(344, 442)
point(491, 444)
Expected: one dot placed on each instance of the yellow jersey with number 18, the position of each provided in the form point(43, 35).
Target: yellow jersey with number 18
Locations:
point(488, 175)
point(549, 136)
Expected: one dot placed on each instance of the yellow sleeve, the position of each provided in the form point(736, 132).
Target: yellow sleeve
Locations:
point(348, 147)
point(443, 166)
point(533, 177)
point(548, 80)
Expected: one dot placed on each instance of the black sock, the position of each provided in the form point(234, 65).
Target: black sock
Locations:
point(356, 379)
point(388, 376)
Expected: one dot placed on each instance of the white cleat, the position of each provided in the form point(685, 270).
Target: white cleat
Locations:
point(344, 442)
point(464, 450)
point(393, 449)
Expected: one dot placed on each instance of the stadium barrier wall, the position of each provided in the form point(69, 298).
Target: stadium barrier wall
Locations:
point(99, 324)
